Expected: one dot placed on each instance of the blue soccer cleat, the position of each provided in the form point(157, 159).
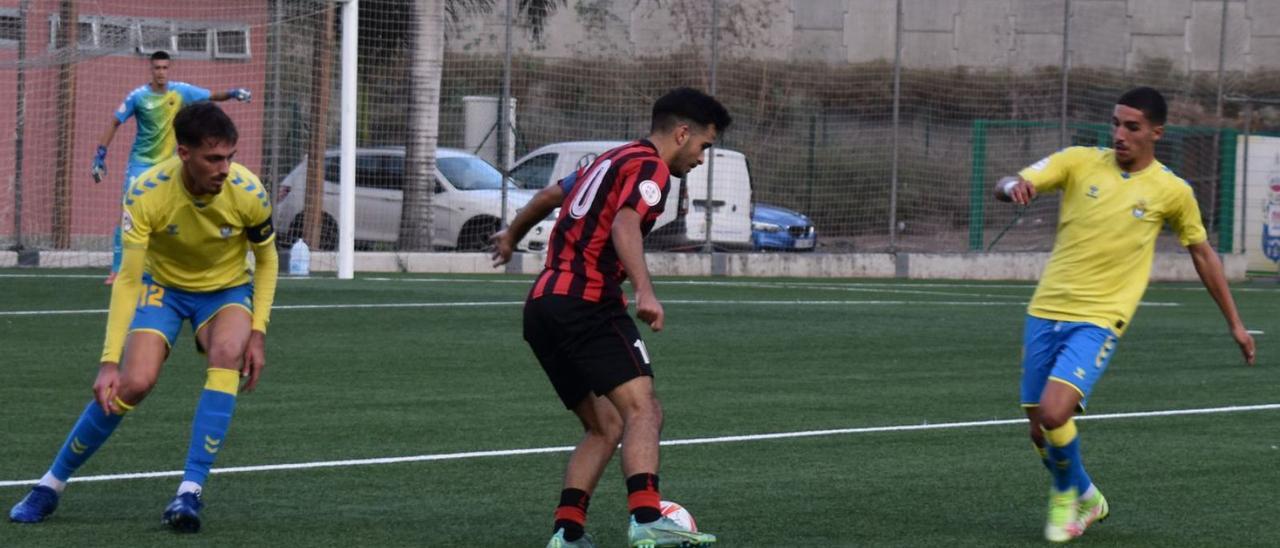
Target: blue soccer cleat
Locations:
point(36, 506)
point(183, 514)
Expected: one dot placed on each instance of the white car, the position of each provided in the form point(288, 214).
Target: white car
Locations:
point(466, 208)
point(679, 226)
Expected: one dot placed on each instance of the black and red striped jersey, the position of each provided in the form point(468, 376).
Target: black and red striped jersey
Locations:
point(581, 259)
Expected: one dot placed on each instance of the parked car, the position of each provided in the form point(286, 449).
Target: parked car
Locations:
point(680, 225)
point(466, 207)
point(776, 228)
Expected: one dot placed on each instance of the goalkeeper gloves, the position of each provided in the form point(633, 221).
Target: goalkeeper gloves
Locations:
point(240, 94)
point(100, 164)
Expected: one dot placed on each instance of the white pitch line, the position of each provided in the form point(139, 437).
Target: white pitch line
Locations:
point(691, 441)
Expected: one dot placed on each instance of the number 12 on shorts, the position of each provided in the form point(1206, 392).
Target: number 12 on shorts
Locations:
point(644, 352)
point(152, 295)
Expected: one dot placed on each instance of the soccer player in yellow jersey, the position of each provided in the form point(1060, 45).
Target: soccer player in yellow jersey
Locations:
point(188, 223)
point(1114, 202)
point(153, 107)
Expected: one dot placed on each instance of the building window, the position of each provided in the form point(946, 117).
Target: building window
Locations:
point(84, 35)
point(182, 39)
point(115, 36)
point(155, 38)
point(193, 42)
point(231, 43)
point(10, 27)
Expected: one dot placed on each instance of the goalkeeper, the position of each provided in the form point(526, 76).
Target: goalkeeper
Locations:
point(153, 106)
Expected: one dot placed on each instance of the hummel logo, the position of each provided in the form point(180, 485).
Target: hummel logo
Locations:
point(1080, 373)
point(77, 447)
point(211, 445)
point(1093, 191)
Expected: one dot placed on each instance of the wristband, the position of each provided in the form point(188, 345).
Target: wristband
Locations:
point(1007, 188)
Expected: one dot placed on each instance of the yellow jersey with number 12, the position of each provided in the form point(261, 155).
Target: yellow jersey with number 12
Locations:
point(195, 243)
point(1108, 222)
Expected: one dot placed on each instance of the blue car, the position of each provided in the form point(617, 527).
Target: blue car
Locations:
point(775, 228)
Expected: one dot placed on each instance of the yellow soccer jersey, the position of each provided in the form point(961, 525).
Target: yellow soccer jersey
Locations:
point(1107, 227)
point(192, 243)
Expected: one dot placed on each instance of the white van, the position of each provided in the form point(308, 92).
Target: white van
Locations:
point(681, 226)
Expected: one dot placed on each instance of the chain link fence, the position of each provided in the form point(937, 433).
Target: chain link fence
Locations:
point(883, 122)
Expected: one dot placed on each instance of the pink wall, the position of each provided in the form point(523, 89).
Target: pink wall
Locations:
point(101, 84)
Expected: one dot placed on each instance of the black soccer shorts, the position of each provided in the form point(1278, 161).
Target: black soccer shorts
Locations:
point(584, 347)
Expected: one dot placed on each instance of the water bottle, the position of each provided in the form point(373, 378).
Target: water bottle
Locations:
point(299, 259)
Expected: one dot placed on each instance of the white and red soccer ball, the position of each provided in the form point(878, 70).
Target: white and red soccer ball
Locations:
point(678, 514)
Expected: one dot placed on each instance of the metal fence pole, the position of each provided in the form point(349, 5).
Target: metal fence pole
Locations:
point(1217, 135)
point(19, 130)
point(1244, 182)
point(1066, 70)
point(276, 96)
point(504, 124)
point(897, 99)
point(709, 204)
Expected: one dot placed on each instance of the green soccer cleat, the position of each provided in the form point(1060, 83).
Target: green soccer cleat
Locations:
point(1092, 510)
point(665, 532)
point(1061, 526)
point(558, 541)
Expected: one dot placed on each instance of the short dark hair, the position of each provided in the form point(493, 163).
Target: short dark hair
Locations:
point(160, 55)
point(203, 121)
point(1149, 101)
point(689, 105)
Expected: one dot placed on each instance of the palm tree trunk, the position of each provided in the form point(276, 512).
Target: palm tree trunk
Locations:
point(425, 71)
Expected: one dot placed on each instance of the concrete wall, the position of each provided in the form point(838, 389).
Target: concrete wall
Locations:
point(1017, 34)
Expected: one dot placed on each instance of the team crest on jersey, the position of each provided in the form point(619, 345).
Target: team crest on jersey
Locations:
point(650, 192)
point(126, 222)
point(1140, 209)
point(172, 230)
point(225, 231)
point(1093, 191)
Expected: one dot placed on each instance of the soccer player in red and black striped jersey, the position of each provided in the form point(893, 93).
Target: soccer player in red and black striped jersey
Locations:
point(576, 318)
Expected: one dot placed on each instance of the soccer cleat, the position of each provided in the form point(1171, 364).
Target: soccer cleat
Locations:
point(665, 532)
point(1062, 516)
point(1092, 510)
point(558, 541)
point(36, 506)
point(183, 513)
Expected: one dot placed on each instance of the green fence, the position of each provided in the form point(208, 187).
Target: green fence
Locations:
point(1173, 150)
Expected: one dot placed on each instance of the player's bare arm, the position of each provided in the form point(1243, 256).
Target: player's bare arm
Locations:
point(1209, 267)
point(543, 203)
point(629, 243)
point(1015, 189)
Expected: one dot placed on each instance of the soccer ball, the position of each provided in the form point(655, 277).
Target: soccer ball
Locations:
point(678, 514)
